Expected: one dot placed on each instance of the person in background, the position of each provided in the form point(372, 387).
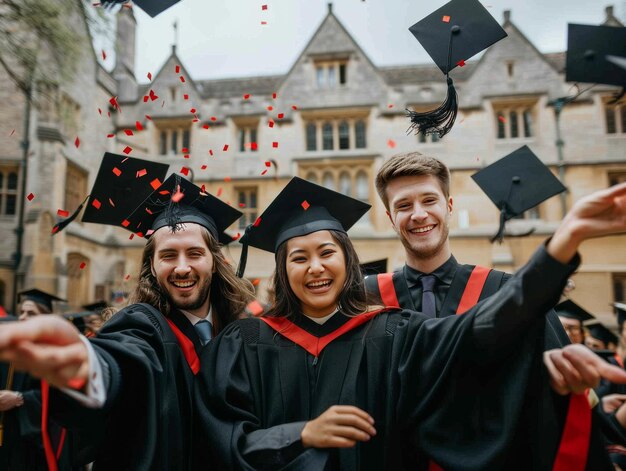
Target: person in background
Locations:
point(572, 317)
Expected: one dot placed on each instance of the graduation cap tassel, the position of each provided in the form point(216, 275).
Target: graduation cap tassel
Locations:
point(500, 234)
point(59, 226)
point(439, 120)
point(243, 258)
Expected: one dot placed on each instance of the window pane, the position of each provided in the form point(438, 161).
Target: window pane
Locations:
point(311, 177)
point(434, 137)
point(609, 113)
point(321, 82)
point(11, 199)
point(2, 211)
point(342, 74)
point(513, 121)
point(311, 143)
point(327, 137)
point(12, 181)
point(622, 112)
point(1, 179)
point(362, 186)
point(344, 135)
point(328, 181)
point(501, 123)
point(242, 140)
point(253, 144)
point(359, 131)
point(528, 124)
point(252, 199)
point(174, 146)
point(345, 184)
point(421, 137)
point(332, 76)
point(186, 137)
point(163, 143)
point(242, 198)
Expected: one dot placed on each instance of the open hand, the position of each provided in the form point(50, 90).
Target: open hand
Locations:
point(338, 427)
point(10, 400)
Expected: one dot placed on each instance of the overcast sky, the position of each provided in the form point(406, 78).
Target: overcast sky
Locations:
point(226, 38)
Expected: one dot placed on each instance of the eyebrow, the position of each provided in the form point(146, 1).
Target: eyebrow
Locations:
point(318, 247)
point(420, 195)
point(189, 249)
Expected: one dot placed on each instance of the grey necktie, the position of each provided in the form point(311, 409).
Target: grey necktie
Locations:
point(203, 329)
point(428, 296)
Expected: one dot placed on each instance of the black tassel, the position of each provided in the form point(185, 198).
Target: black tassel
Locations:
point(59, 226)
point(243, 258)
point(500, 234)
point(439, 120)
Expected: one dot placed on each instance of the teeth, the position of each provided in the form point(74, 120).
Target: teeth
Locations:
point(183, 284)
point(422, 229)
point(317, 284)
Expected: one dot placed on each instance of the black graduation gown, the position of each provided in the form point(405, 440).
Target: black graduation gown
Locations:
point(260, 387)
point(146, 422)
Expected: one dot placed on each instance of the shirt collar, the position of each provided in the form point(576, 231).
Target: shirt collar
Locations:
point(322, 320)
point(195, 319)
point(444, 273)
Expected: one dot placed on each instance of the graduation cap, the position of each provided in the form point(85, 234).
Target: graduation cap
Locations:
point(600, 332)
point(299, 209)
point(620, 310)
point(151, 7)
point(40, 297)
point(375, 267)
point(451, 35)
point(517, 183)
point(596, 54)
point(571, 310)
point(178, 201)
point(121, 184)
point(96, 307)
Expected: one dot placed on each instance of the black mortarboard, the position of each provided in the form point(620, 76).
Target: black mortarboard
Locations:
point(620, 310)
point(79, 318)
point(178, 201)
point(517, 183)
point(594, 54)
point(452, 34)
point(299, 209)
point(121, 184)
point(375, 267)
point(600, 332)
point(39, 296)
point(151, 7)
point(571, 310)
point(96, 307)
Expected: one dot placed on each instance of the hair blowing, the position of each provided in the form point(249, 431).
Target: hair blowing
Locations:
point(411, 164)
point(352, 299)
point(229, 294)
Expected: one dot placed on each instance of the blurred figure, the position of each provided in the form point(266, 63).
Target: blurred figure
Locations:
point(572, 317)
point(35, 302)
point(598, 337)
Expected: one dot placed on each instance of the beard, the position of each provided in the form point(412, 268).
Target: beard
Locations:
point(427, 252)
point(189, 303)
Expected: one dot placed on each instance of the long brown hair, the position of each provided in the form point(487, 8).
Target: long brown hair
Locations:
point(229, 295)
point(352, 299)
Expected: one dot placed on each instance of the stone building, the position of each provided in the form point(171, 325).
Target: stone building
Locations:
point(333, 118)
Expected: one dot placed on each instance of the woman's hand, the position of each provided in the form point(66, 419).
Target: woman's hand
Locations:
point(612, 402)
point(10, 400)
point(48, 347)
point(338, 427)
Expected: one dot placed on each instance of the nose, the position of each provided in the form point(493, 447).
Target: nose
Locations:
point(182, 267)
point(419, 213)
point(316, 266)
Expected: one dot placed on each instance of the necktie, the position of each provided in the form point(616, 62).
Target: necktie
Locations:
point(203, 329)
point(428, 297)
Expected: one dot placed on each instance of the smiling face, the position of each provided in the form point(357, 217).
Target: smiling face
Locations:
point(420, 214)
point(316, 270)
point(183, 267)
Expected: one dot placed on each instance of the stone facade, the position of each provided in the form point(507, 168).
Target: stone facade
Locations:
point(248, 136)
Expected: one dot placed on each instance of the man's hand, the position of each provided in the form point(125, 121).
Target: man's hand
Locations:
point(575, 368)
point(10, 400)
point(48, 347)
point(612, 402)
point(338, 427)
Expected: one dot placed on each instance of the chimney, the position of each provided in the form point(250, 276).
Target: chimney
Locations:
point(507, 16)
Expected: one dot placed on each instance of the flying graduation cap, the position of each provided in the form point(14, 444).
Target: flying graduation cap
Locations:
point(151, 7)
point(517, 183)
point(299, 209)
point(40, 297)
point(122, 183)
point(451, 35)
point(596, 54)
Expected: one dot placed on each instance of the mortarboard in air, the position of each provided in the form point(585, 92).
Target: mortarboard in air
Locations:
point(598, 331)
point(620, 310)
point(121, 184)
point(151, 7)
point(375, 267)
point(178, 201)
point(571, 310)
point(517, 183)
point(299, 209)
point(40, 297)
point(596, 54)
point(451, 35)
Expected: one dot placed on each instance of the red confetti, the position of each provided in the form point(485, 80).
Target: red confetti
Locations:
point(253, 146)
point(114, 103)
point(117, 171)
point(263, 23)
point(153, 96)
point(96, 204)
point(274, 144)
point(274, 95)
point(178, 69)
point(255, 282)
point(390, 106)
point(246, 96)
point(182, 79)
point(294, 107)
point(150, 76)
point(141, 173)
point(82, 265)
point(77, 142)
point(226, 179)
point(263, 172)
point(211, 152)
point(257, 222)
point(281, 115)
point(104, 55)
point(219, 192)
point(127, 150)
point(461, 63)
point(391, 143)
point(30, 197)
point(77, 383)
point(184, 171)
point(213, 118)
point(263, 7)
point(186, 97)
point(205, 126)
point(111, 202)
point(110, 135)
point(185, 150)
point(270, 123)
point(100, 111)
point(145, 98)
point(446, 19)
point(502, 119)
point(176, 197)
point(148, 117)
point(305, 204)
point(125, 223)
point(203, 189)
point(127, 277)
point(138, 126)
point(242, 205)
point(131, 237)
point(268, 163)
point(55, 229)
point(63, 213)
point(203, 167)
point(225, 147)
point(128, 132)
point(270, 108)
point(192, 111)
point(237, 236)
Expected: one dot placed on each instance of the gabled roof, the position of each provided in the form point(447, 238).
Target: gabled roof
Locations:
point(232, 87)
point(420, 73)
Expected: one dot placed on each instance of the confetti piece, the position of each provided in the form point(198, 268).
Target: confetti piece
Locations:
point(131, 237)
point(213, 118)
point(281, 115)
point(55, 229)
point(148, 117)
point(12, 132)
point(178, 69)
point(77, 383)
point(145, 98)
point(30, 197)
point(461, 63)
point(263, 172)
point(186, 97)
point(390, 106)
point(446, 19)
point(100, 111)
point(127, 150)
point(104, 55)
point(185, 150)
point(96, 203)
point(268, 163)
point(63, 213)
point(236, 236)
point(256, 282)
point(192, 111)
point(176, 197)
point(253, 146)
point(203, 189)
point(225, 147)
point(391, 143)
point(150, 76)
point(141, 173)
point(263, 23)
point(205, 126)
point(226, 179)
point(255, 308)
point(219, 192)
point(275, 145)
point(110, 135)
point(111, 202)
point(257, 222)
point(294, 107)
point(270, 123)
point(184, 171)
point(502, 119)
point(211, 152)
point(154, 96)
point(82, 265)
point(128, 132)
point(114, 103)
point(125, 223)
point(270, 108)
point(117, 171)
point(182, 79)
point(274, 95)
point(77, 142)
point(305, 204)
point(127, 277)
point(242, 205)
point(138, 126)
point(263, 7)
point(246, 96)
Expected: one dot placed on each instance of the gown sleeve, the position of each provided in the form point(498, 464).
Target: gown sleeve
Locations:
point(237, 437)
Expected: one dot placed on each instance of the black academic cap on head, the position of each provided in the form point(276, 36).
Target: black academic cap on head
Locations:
point(620, 310)
point(121, 184)
point(571, 310)
point(96, 307)
point(375, 267)
point(596, 54)
point(600, 332)
point(299, 209)
point(39, 296)
point(178, 201)
point(452, 34)
point(151, 7)
point(517, 183)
